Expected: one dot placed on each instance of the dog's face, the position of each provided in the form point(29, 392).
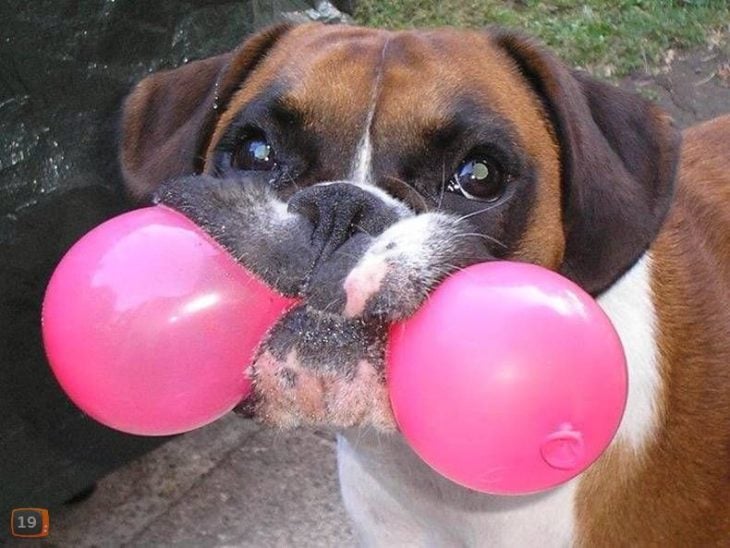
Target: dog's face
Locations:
point(356, 168)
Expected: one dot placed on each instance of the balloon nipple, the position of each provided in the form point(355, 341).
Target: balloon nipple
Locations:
point(564, 449)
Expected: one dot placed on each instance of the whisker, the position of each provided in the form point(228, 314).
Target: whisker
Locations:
point(443, 184)
point(331, 303)
point(452, 268)
point(475, 213)
point(361, 229)
point(288, 176)
point(422, 194)
point(484, 236)
point(350, 255)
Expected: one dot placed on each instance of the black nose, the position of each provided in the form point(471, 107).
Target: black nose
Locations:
point(340, 210)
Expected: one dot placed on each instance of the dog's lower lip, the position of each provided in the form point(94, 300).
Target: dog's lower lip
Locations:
point(247, 407)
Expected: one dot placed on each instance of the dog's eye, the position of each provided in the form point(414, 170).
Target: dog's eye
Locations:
point(253, 153)
point(478, 178)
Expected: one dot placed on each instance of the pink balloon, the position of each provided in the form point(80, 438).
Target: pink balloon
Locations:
point(509, 380)
point(149, 324)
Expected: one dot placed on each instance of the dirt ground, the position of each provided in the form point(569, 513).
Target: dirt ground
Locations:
point(693, 86)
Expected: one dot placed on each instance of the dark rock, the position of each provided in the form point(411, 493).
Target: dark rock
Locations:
point(64, 68)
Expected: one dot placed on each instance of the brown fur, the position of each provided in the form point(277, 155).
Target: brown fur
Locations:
point(439, 59)
point(618, 159)
point(573, 128)
point(605, 161)
point(304, 61)
point(681, 485)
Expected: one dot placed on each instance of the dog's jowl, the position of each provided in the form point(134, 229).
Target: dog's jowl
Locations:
point(356, 168)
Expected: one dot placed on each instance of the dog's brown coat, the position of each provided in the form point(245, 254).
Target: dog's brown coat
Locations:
point(676, 492)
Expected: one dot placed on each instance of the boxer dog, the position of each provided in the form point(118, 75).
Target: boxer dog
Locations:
point(356, 168)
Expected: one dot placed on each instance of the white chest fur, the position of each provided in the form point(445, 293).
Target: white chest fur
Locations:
point(394, 499)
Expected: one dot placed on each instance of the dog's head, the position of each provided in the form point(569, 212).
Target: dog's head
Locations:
point(356, 168)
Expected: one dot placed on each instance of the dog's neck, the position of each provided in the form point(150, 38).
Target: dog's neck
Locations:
point(384, 481)
point(628, 303)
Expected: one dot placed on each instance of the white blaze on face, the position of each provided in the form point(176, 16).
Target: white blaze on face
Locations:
point(362, 166)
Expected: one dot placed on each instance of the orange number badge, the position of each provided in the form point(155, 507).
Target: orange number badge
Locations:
point(29, 523)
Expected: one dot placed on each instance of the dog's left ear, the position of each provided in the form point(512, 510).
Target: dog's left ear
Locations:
point(619, 156)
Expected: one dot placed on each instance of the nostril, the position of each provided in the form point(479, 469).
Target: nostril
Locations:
point(356, 224)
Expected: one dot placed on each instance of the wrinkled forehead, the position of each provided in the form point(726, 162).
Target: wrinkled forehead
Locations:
point(326, 74)
point(329, 74)
point(400, 85)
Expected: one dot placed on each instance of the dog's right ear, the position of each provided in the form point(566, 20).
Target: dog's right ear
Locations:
point(169, 117)
point(619, 155)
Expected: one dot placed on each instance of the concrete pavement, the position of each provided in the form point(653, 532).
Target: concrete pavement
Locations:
point(232, 483)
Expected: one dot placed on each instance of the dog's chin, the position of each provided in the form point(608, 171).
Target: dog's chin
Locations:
point(321, 369)
point(323, 363)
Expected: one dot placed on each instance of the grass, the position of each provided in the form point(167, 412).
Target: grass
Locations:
point(609, 38)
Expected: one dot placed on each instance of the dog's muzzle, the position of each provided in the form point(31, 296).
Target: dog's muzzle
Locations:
point(357, 258)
